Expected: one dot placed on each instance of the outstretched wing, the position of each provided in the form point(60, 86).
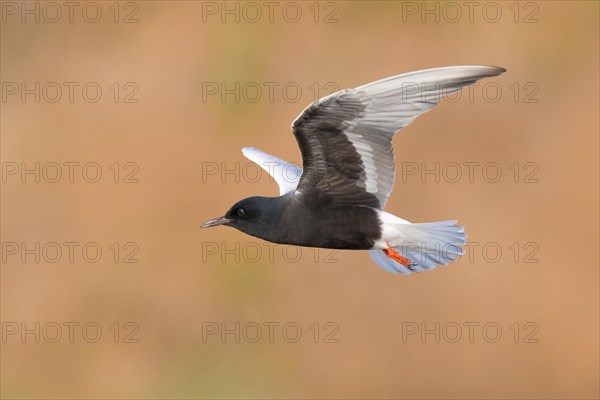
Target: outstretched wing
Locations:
point(346, 137)
point(285, 174)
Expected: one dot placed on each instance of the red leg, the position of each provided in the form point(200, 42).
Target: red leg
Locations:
point(394, 255)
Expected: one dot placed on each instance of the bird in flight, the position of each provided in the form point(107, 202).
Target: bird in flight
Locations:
point(336, 199)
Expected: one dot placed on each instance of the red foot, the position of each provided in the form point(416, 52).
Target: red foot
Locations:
point(394, 255)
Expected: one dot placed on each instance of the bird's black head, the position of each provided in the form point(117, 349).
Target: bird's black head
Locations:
point(250, 215)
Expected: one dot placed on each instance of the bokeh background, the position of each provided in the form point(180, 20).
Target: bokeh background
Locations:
point(182, 139)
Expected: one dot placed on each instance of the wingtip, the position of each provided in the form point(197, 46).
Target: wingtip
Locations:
point(500, 70)
point(484, 70)
point(495, 70)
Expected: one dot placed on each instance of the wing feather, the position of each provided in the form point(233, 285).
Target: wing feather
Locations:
point(285, 173)
point(346, 137)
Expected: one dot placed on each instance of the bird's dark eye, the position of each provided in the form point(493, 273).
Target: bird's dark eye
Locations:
point(241, 212)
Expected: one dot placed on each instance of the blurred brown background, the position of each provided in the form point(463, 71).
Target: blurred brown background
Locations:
point(181, 138)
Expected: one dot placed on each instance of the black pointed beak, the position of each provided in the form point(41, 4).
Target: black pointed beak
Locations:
point(215, 222)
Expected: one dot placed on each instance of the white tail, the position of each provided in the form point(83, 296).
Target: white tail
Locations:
point(425, 245)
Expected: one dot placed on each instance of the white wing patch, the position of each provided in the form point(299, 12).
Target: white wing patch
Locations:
point(286, 174)
point(364, 149)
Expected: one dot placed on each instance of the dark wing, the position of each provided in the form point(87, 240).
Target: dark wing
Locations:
point(346, 137)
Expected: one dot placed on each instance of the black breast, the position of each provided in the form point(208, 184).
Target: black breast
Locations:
point(350, 227)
